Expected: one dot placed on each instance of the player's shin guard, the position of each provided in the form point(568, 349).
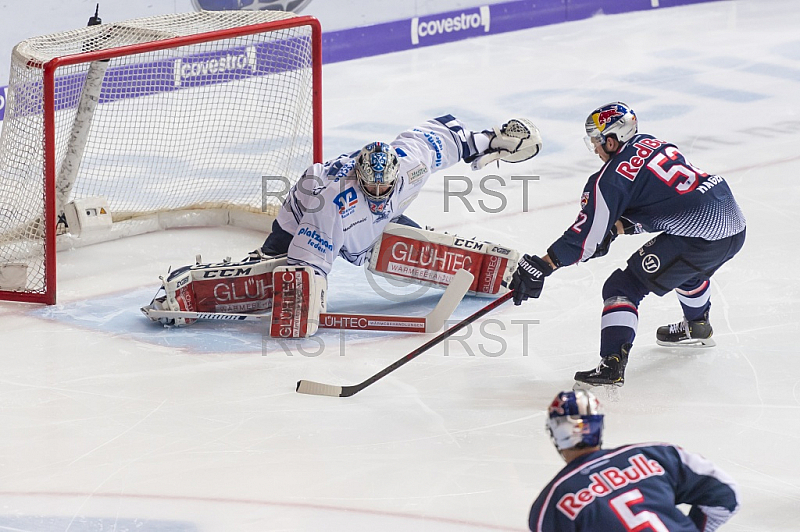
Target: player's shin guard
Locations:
point(618, 325)
point(695, 300)
point(298, 299)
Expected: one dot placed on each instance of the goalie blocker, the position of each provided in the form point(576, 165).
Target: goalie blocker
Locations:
point(430, 258)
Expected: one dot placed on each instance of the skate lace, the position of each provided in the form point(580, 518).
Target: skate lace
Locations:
point(600, 367)
point(680, 327)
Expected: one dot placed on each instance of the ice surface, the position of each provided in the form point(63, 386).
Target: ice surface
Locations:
point(108, 422)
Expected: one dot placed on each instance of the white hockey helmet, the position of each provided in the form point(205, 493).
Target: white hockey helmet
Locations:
point(616, 119)
point(376, 168)
point(575, 419)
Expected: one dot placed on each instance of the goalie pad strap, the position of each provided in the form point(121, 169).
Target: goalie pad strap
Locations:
point(430, 258)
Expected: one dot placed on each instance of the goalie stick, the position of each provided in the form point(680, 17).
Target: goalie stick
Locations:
point(317, 388)
point(432, 322)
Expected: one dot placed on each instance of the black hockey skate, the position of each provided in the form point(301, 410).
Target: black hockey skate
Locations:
point(686, 334)
point(610, 371)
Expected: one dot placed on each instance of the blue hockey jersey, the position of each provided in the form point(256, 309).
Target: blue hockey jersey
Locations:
point(636, 487)
point(651, 183)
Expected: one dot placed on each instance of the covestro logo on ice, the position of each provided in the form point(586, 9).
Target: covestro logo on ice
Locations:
point(461, 22)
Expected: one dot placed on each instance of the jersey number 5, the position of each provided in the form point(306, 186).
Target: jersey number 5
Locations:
point(675, 170)
point(621, 505)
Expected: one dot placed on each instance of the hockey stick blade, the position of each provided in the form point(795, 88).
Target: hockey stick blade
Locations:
point(317, 388)
point(455, 292)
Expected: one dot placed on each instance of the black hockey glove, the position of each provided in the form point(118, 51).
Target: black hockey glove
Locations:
point(628, 227)
point(528, 279)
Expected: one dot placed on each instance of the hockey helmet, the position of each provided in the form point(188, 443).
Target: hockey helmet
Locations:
point(616, 119)
point(574, 419)
point(376, 168)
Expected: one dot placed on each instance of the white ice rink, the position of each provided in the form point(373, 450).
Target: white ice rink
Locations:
point(108, 422)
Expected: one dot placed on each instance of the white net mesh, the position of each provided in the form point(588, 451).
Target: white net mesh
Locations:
point(190, 126)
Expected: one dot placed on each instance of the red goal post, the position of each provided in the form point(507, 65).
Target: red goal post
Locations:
point(183, 119)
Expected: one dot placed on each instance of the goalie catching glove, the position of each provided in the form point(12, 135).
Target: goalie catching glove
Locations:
point(517, 140)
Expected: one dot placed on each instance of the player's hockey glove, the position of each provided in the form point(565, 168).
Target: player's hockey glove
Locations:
point(518, 140)
point(528, 279)
point(629, 227)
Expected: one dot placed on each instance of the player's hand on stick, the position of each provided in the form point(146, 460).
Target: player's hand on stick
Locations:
point(528, 279)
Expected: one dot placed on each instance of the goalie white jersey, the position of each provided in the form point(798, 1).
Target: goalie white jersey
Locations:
point(329, 215)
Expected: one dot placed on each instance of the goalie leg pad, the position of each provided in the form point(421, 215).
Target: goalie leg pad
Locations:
point(429, 258)
point(218, 287)
point(299, 298)
point(244, 286)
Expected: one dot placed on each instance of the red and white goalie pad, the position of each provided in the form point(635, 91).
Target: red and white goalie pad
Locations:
point(221, 287)
point(430, 258)
point(299, 298)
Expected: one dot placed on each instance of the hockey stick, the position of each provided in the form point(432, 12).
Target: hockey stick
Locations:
point(317, 388)
point(432, 322)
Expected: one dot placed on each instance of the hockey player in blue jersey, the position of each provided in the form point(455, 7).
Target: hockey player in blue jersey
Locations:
point(633, 487)
point(644, 185)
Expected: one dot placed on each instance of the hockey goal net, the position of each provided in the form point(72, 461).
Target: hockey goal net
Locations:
point(161, 121)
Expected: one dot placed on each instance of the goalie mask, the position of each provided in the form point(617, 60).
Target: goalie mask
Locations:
point(575, 420)
point(376, 168)
point(616, 119)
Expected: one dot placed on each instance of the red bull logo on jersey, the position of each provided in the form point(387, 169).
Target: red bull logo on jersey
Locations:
point(644, 149)
point(607, 481)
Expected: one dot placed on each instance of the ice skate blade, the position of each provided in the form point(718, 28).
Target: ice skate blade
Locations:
point(581, 385)
point(694, 343)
